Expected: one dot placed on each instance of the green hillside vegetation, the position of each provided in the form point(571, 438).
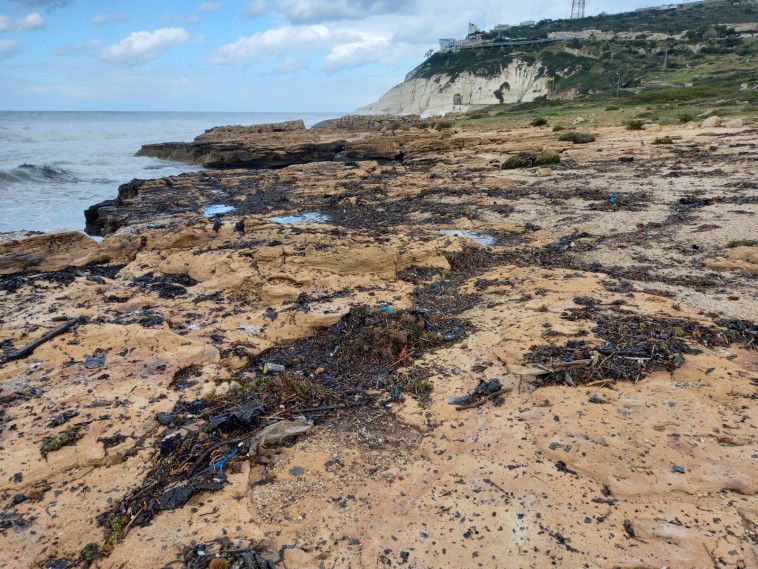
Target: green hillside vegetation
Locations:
point(593, 65)
point(660, 106)
point(696, 18)
point(596, 66)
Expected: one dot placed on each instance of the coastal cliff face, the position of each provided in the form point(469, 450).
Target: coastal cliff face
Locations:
point(440, 94)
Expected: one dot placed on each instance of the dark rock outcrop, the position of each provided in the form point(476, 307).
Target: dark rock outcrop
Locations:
point(244, 154)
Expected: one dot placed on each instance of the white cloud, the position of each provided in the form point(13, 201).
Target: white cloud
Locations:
point(31, 22)
point(79, 48)
point(365, 51)
point(8, 47)
point(255, 9)
point(272, 43)
point(291, 65)
point(102, 19)
point(142, 47)
point(210, 7)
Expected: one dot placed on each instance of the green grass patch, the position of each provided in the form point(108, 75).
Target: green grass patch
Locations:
point(577, 137)
point(742, 243)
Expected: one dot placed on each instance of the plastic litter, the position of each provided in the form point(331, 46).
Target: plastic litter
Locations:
point(273, 368)
point(245, 417)
point(277, 433)
point(220, 464)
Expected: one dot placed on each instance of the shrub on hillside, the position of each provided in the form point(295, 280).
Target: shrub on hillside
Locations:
point(577, 137)
point(475, 116)
point(611, 108)
point(443, 125)
point(664, 140)
point(635, 125)
point(525, 160)
point(686, 117)
point(514, 162)
point(547, 158)
point(558, 128)
point(539, 121)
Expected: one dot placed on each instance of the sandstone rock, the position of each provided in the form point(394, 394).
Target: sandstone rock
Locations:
point(735, 123)
point(49, 252)
point(690, 126)
point(579, 120)
point(299, 559)
point(711, 122)
point(368, 122)
point(544, 172)
point(350, 260)
point(222, 133)
point(277, 294)
point(652, 127)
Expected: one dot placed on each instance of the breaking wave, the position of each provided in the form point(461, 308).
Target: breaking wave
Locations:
point(33, 173)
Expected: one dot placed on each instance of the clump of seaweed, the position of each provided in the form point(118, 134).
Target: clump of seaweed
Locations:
point(634, 346)
point(56, 443)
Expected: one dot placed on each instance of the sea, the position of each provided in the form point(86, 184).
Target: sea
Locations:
point(54, 165)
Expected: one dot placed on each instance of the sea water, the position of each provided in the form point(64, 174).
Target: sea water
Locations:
point(54, 165)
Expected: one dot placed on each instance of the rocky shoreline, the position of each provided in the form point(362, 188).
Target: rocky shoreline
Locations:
point(542, 366)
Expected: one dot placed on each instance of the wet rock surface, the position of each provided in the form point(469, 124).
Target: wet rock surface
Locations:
point(600, 353)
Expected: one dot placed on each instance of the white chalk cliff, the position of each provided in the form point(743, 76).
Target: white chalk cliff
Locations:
point(440, 94)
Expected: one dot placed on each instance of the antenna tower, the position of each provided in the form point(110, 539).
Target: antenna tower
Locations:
point(577, 9)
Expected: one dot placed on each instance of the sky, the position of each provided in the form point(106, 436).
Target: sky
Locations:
point(241, 56)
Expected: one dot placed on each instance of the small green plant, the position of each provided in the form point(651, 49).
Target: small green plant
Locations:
point(443, 125)
point(635, 125)
point(577, 137)
point(514, 162)
point(423, 193)
point(685, 118)
point(475, 116)
point(558, 128)
point(664, 140)
point(611, 108)
point(56, 443)
point(396, 125)
point(421, 386)
point(547, 158)
point(116, 526)
point(742, 243)
point(421, 125)
point(90, 552)
point(539, 121)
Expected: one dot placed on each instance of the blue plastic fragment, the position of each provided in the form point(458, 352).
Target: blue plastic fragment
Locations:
point(613, 199)
point(220, 464)
point(386, 309)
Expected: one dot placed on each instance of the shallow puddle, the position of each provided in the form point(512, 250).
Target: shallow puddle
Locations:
point(483, 240)
point(300, 218)
point(218, 209)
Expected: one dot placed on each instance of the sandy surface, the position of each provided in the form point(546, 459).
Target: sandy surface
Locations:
point(658, 472)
